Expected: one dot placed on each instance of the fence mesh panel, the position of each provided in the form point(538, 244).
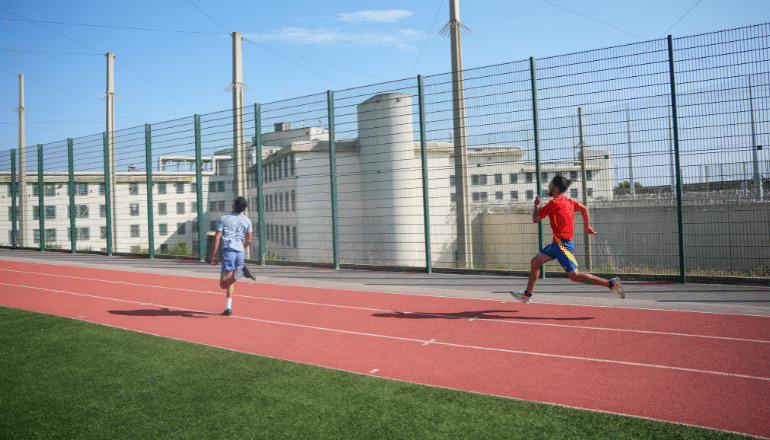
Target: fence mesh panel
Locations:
point(604, 118)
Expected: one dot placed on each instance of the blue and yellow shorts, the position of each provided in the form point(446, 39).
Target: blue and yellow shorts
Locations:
point(564, 252)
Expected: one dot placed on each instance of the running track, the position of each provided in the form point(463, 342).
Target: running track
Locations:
point(701, 369)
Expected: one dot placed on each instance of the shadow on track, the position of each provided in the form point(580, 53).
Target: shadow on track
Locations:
point(481, 314)
point(161, 312)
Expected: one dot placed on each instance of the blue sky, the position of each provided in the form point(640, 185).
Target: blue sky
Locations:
point(174, 58)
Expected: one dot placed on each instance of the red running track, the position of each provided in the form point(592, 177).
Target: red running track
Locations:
point(700, 369)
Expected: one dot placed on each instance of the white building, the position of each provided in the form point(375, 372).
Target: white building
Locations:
point(379, 193)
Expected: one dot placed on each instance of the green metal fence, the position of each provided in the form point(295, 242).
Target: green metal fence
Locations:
point(662, 140)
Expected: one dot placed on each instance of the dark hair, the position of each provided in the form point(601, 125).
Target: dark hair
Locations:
point(241, 204)
point(561, 182)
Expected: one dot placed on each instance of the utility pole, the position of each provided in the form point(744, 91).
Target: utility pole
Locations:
point(239, 150)
point(754, 149)
point(110, 97)
point(632, 185)
point(464, 241)
point(584, 178)
point(22, 192)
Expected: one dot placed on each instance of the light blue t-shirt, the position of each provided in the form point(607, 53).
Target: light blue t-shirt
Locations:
point(234, 228)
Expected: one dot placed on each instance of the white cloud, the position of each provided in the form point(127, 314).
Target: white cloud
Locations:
point(400, 38)
point(390, 16)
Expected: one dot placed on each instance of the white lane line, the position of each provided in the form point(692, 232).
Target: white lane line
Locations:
point(437, 315)
point(374, 371)
point(432, 341)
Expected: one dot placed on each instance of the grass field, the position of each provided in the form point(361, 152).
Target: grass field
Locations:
point(66, 379)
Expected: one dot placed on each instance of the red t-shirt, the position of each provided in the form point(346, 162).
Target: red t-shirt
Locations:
point(561, 213)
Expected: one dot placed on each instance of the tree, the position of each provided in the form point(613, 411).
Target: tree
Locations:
point(626, 184)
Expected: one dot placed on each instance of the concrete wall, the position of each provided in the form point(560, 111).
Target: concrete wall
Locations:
point(725, 236)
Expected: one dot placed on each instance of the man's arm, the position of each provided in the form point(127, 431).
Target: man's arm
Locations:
point(535, 215)
point(246, 239)
point(586, 220)
point(217, 237)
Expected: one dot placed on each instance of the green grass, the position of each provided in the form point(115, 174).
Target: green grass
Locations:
point(66, 379)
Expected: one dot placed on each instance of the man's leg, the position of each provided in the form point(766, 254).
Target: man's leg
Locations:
point(587, 278)
point(534, 271)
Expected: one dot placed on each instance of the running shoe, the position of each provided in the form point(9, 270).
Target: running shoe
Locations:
point(521, 296)
point(248, 274)
point(618, 287)
point(227, 312)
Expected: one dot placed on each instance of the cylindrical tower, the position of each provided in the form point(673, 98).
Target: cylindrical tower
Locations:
point(392, 189)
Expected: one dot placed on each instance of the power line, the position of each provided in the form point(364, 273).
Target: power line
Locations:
point(440, 4)
point(48, 52)
point(207, 15)
point(292, 61)
point(51, 30)
point(594, 19)
point(119, 27)
point(152, 84)
point(680, 19)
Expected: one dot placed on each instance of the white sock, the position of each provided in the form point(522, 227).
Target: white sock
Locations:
point(229, 303)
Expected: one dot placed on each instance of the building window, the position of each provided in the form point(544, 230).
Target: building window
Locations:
point(294, 236)
point(163, 229)
point(499, 195)
point(544, 176)
point(573, 193)
point(453, 197)
point(573, 175)
point(134, 230)
point(180, 208)
point(452, 180)
point(514, 195)
point(103, 232)
point(102, 189)
point(280, 201)
point(80, 233)
point(133, 189)
point(293, 200)
point(102, 211)
point(589, 175)
point(528, 177)
point(50, 189)
point(212, 206)
point(164, 248)
point(514, 178)
point(161, 187)
point(292, 161)
point(479, 197)
point(221, 206)
point(181, 228)
point(134, 207)
point(590, 192)
point(50, 235)
point(213, 225)
point(221, 186)
point(530, 194)
point(498, 179)
point(81, 211)
point(81, 188)
point(162, 209)
point(479, 179)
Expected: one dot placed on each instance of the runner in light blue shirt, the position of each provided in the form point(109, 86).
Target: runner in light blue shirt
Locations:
point(234, 230)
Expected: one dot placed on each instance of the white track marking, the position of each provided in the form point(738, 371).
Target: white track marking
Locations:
point(437, 315)
point(374, 371)
point(424, 342)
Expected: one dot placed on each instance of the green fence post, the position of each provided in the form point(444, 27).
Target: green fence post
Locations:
point(202, 244)
point(333, 180)
point(674, 121)
point(536, 129)
point(71, 191)
point(150, 211)
point(14, 216)
point(260, 183)
point(107, 196)
point(40, 198)
point(424, 163)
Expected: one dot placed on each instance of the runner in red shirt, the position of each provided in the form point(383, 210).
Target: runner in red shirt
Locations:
point(561, 212)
